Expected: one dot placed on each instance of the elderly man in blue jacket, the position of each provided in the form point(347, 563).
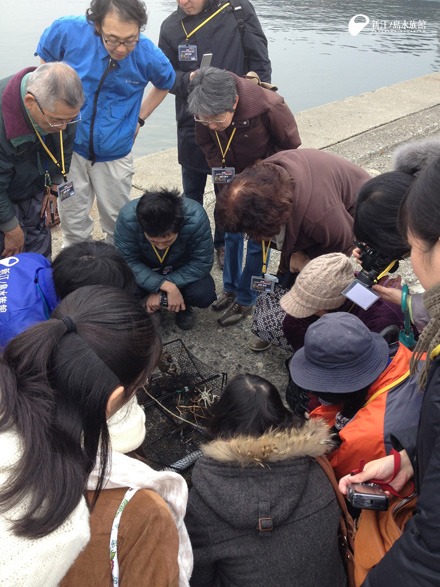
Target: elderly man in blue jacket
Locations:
point(166, 239)
point(115, 63)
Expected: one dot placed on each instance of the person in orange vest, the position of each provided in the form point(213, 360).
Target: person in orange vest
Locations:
point(363, 385)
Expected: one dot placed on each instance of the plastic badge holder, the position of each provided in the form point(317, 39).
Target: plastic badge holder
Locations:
point(361, 295)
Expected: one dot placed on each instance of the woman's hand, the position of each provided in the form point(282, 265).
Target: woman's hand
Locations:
point(390, 289)
point(298, 261)
point(382, 469)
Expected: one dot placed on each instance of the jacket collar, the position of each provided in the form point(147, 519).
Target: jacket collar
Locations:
point(15, 121)
point(312, 440)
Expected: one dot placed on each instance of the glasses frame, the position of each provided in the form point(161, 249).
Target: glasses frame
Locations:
point(208, 122)
point(115, 44)
point(58, 124)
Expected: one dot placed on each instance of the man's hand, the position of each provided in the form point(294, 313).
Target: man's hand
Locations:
point(152, 303)
point(175, 299)
point(49, 207)
point(14, 242)
point(357, 255)
point(298, 261)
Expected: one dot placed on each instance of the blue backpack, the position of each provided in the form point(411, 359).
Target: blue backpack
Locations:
point(27, 294)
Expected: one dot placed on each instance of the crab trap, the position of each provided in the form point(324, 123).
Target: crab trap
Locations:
point(176, 402)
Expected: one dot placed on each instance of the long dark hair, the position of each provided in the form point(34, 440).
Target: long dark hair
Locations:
point(56, 381)
point(249, 405)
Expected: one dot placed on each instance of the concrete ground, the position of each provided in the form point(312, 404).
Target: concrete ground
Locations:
point(365, 129)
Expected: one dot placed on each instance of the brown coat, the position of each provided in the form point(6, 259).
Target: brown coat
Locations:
point(264, 123)
point(324, 192)
point(148, 543)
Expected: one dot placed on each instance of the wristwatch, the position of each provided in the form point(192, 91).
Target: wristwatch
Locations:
point(141, 122)
point(164, 299)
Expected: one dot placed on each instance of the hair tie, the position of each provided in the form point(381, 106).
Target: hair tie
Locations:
point(69, 323)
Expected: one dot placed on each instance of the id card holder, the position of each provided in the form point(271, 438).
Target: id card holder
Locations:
point(223, 175)
point(187, 52)
point(261, 284)
point(360, 294)
point(167, 270)
point(65, 190)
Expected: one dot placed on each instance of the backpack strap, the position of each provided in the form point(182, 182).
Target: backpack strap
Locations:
point(237, 11)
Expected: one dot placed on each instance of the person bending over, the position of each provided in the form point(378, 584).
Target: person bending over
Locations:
point(167, 241)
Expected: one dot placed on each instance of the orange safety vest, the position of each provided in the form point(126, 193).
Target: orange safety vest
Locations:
point(364, 436)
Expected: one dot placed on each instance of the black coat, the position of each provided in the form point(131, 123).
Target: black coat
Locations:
point(415, 558)
point(262, 513)
point(221, 37)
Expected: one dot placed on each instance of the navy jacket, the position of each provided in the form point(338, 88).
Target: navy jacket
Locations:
point(191, 256)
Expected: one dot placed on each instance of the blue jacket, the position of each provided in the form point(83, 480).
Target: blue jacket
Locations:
point(27, 294)
point(191, 256)
point(72, 39)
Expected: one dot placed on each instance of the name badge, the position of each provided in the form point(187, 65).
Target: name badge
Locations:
point(167, 270)
point(65, 190)
point(223, 174)
point(187, 52)
point(264, 284)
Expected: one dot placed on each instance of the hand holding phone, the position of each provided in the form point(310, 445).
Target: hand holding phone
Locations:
point(367, 496)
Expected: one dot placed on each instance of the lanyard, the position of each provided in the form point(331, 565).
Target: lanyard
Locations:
point(265, 255)
point(386, 388)
point(227, 146)
point(61, 167)
point(161, 259)
point(435, 352)
point(203, 23)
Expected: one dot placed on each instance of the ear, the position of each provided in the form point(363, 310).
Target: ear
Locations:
point(236, 102)
point(115, 402)
point(28, 101)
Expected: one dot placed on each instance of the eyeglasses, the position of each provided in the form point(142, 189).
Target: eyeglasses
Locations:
point(58, 124)
point(208, 122)
point(114, 44)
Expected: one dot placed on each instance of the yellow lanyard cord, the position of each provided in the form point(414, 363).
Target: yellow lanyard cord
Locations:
point(385, 271)
point(227, 146)
point(435, 352)
point(386, 388)
point(265, 255)
point(63, 171)
point(161, 259)
point(203, 23)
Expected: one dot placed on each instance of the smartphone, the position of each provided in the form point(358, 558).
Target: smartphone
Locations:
point(206, 60)
point(367, 496)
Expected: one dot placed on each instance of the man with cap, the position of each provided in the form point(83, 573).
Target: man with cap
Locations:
point(363, 385)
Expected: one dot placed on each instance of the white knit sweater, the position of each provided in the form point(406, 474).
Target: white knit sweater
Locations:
point(41, 562)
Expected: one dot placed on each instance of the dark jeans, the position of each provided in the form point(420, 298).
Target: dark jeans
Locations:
point(37, 237)
point(200, 294)
point(194, 187)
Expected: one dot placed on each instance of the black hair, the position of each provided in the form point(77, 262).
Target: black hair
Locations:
point(90, 263)
point(127, 10)
point(160, 212)
point(420, 213)
point(249, 405)
point(377, 211)
point(352, 402)
point(56, 379)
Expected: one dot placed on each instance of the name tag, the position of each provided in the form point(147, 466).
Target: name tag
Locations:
point(187, 52)
point(223, 174)
point(65, 190)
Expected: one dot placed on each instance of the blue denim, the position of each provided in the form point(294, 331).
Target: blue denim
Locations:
point(237, 279)
point(194, 187)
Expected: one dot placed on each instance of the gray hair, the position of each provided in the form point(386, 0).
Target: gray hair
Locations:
point(212, 91)
point(55, 82)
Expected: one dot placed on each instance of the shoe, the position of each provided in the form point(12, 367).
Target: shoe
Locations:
point(258, 345)
point(223, 301)
point(235, 313)
point(221, 257)
point(185, 319)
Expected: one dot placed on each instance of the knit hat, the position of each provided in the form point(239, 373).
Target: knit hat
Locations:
point(319, 286)
point(340, 355)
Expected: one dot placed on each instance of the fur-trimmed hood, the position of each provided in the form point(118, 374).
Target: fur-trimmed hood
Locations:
point(413, 157)
point(312, 440)
point(233, 477)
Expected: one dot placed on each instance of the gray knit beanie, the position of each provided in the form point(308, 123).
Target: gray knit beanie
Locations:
point(319, 286)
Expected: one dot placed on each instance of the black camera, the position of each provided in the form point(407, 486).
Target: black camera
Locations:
point(373, 264)
point(367, 496)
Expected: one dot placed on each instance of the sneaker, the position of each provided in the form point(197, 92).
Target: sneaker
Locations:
point(185, 319)
point(221, 257)
point(235, 313)
point(258, 345)
point(223, 301)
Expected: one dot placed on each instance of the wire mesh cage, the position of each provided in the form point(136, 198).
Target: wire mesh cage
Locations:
point(176, 401)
